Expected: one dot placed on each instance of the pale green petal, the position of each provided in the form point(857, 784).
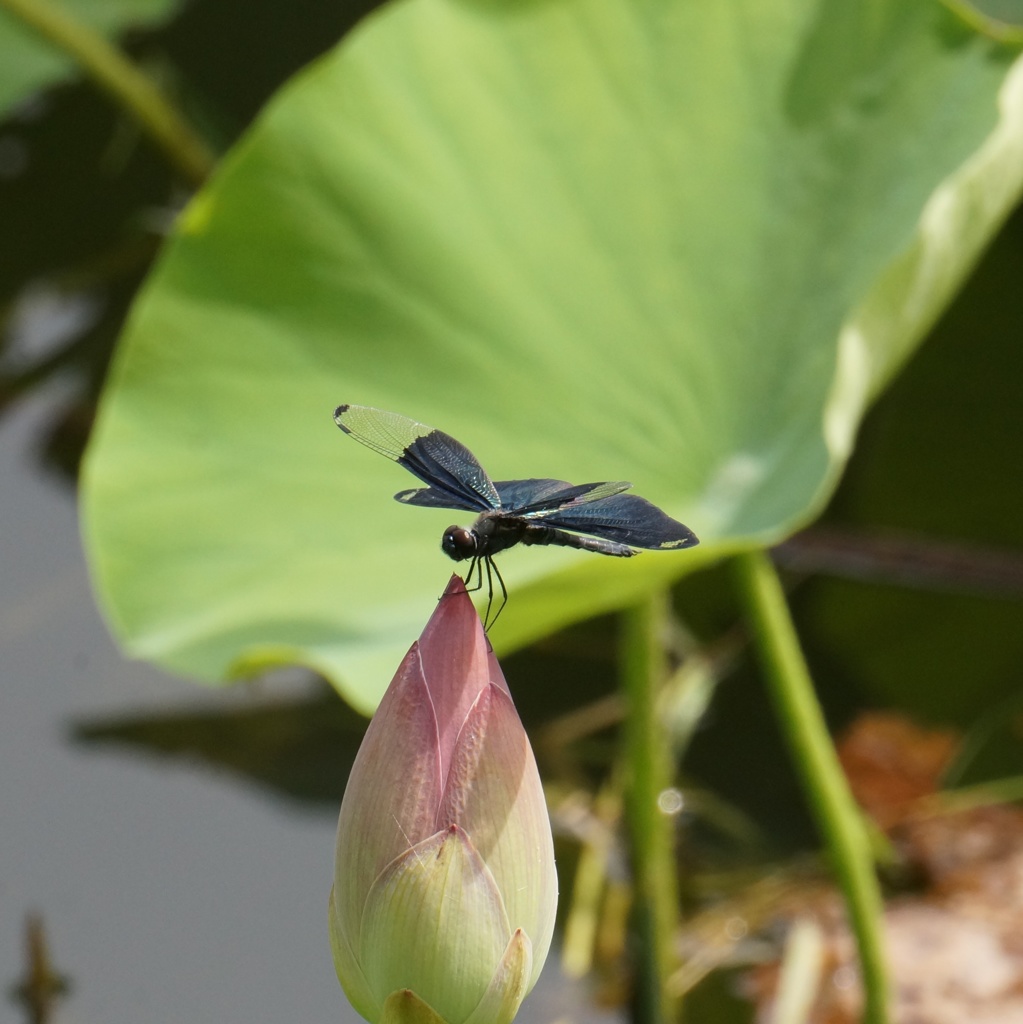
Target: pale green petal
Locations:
point(434, 923)
point(494, 792)
point(406, 1007)
point(349, 973)
point(510, 985)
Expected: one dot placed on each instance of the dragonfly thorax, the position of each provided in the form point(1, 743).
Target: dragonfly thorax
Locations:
point(492, 532)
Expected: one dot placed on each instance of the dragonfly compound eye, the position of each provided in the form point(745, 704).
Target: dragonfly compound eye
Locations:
point(459, 543)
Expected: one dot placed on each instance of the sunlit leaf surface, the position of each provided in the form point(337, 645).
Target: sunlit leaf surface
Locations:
point(678, 244)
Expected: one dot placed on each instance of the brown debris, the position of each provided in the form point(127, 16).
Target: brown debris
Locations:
point(955, 950)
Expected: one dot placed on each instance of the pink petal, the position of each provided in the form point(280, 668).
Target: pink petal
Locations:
point(394, 789)
point(496, 673)
point(455, 651)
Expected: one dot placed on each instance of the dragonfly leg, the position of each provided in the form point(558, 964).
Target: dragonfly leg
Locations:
point(474, 569)
point(504, 592)
point(490, 590)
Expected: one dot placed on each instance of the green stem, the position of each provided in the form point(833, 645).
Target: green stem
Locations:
point(1000, 31)
point(803, 723)
point(651, 834)
point(123, 81)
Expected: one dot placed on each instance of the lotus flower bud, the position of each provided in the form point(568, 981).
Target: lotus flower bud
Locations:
point(445, 890)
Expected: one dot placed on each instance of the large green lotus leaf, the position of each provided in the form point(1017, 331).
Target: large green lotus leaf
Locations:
point(938, 462)
point(29, 62)
point(675, 243)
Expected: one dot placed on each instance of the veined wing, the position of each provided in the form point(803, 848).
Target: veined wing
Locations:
point(534, 496)
point(450, 469)
point(431, 497)
point(568, 496)
point(519, 494)
point(625, 518)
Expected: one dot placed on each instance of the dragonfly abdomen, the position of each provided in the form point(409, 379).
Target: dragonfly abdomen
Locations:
point(536, 533)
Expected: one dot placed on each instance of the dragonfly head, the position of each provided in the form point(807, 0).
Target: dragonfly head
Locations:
point(459, 543)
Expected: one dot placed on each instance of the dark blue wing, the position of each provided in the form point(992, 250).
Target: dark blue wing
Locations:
point(456, 479)
point(518, 497)
point(625, 518)
point(518, 494)
point(564, 497)
point(430, 497)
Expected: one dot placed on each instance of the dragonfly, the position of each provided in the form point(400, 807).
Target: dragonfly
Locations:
point(592, 517)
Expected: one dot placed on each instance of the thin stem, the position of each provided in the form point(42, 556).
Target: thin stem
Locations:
point(802, 721)
point(129, 87)
point(993, 28)
point(651, 834)
point(583, 917)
